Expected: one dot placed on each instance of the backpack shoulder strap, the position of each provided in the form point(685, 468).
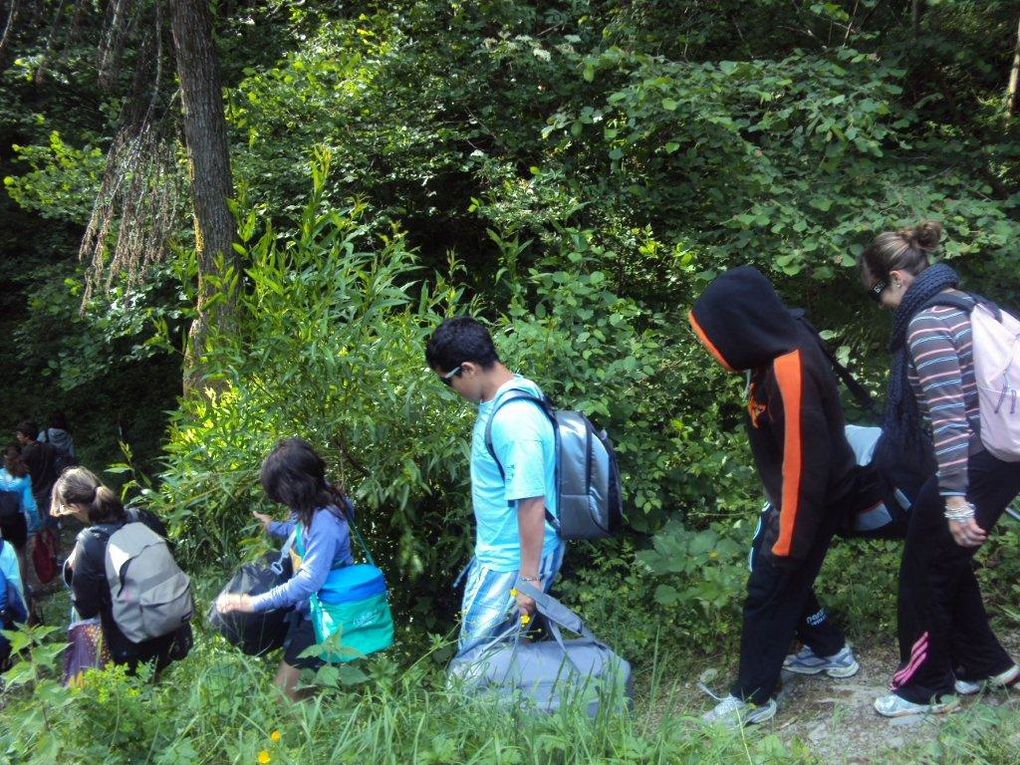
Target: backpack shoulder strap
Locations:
point(514, 394)
point(519, 394)
point(857, 390)
point(965, 304)
point(346, 513)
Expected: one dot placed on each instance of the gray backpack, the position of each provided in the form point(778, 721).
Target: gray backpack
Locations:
point(151, 596)
point(547, 674)
point(587, 477)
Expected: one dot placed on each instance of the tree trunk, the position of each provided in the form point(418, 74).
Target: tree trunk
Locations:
point(10, 25)
point(1014, 77)
point(205, 133)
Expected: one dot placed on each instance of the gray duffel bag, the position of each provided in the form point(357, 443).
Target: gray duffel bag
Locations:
point(546, 674)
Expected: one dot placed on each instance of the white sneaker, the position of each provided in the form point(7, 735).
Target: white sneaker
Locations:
point(895, 706)
point(734, 712)
point(999, 681)
point(807, 662)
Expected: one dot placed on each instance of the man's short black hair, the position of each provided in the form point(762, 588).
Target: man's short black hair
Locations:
point(458, 340)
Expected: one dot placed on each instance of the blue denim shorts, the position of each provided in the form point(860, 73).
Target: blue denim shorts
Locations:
point(488, 608)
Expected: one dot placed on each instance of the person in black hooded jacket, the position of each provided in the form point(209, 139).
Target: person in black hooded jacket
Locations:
point(796, 429)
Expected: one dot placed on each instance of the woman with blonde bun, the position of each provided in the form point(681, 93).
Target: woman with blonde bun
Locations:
point(946, 643)
point(79, 493)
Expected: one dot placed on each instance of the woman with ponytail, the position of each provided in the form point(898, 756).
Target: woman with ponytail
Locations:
point(78, 493)
point(946, 643)
point(295, 475)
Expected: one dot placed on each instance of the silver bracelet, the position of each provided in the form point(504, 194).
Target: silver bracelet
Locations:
point(964, 513)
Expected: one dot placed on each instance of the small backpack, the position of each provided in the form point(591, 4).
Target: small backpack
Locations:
point(995, 335)
point(587, 477)
point(151, 596)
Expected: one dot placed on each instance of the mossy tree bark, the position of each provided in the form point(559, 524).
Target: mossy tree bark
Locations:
point(205, 133)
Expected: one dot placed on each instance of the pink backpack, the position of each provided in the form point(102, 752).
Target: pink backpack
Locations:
point(997, 371)
point(996, 338)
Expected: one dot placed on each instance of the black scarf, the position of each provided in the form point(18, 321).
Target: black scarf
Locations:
point(901, 427)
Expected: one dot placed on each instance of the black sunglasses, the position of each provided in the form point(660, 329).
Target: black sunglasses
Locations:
point(447, 379)
point(875, 293)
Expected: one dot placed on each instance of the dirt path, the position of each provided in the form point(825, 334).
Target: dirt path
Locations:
point(836, 720)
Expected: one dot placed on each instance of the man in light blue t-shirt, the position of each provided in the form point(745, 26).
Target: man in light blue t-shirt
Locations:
point(512, 538)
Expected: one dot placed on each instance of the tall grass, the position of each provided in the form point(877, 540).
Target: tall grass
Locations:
point(220, 707)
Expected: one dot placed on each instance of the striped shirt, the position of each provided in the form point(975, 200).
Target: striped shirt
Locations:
point(941, 375)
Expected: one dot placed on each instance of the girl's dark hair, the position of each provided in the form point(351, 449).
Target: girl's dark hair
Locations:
point(295, 475)
point(14, 463)
point(458, 340)
point(77, 485)
point(907, 249)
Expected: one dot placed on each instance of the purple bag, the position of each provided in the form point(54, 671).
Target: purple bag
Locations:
point(87, 650)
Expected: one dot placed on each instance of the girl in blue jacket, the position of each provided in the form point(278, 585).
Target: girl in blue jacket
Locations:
point(295, 475)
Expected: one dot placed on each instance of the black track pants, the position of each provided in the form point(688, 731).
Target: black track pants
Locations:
point(943, 626)
point(779, 600)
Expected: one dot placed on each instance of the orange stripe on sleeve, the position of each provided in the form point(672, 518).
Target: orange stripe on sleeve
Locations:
point(788, 375)
point(706, 342)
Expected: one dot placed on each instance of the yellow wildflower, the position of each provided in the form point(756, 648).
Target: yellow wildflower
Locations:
point(264, 757)
point(525, 619)
point(514, 593)
point(276, 736)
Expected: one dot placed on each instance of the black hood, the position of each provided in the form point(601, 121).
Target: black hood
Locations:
point(742, 321)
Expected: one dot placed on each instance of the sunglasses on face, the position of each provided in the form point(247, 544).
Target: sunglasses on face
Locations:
point(447, 379)
point(875, 293)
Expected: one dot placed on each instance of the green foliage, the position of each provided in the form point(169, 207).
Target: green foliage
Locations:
point(57, 342)
point(593, 350)
point(708, 568)
point(858, 586)
point(329, 345)
point(63, 180)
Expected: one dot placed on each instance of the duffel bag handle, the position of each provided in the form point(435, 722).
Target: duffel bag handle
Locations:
point(555, 612)
point(558, 617)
